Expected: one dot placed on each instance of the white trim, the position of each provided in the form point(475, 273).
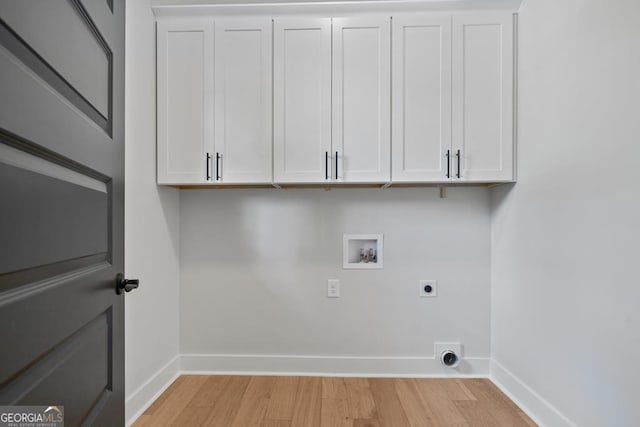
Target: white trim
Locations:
point(329, 8)
point(296, 365)
point(139, 400)
point(535, 406)
point(344, 366)
point(523, 4)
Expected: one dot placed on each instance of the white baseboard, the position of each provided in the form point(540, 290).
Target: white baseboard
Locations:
point(534, 405)
point(138, 401)
point(241, 364)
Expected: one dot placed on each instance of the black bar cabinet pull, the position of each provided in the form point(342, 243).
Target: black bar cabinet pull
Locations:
point(208, 169)
point(458, 158)
point(448, 163)
point(336, 165)
point(218, 167)
point(326, 165)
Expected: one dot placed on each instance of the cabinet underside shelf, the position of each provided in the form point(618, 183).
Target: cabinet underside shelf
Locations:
point(333, 185)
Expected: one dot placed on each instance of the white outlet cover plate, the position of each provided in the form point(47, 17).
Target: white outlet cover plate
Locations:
point(434, 286)
point(333, 288)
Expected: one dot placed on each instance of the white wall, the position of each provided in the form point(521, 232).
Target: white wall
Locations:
point(254, 266)
point(151, 221)
point(566, 299)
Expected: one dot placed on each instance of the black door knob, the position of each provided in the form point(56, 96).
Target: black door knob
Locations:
point(126, 285)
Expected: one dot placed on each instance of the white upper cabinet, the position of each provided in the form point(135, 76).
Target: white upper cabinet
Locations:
point(302, 100)
point(243, 101)
point(325, 136)
point(453, 98)
point(185, 100)
point(361, 99)
point(421, 120)
point(483, 97)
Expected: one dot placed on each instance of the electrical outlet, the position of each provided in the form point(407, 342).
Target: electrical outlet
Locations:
point(333, 288)
point(428, 288)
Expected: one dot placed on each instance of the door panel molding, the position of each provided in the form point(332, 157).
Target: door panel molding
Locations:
point(36, 150)
point(361, 99)
point(243, 99)
point(48, 275)
point(483, 95)
point(421, 110)
point(23, 160)
point(55, 364)
point(185, 101)
point(47, 72)
point(30, 159)
point(17, 388)
point(302, 100)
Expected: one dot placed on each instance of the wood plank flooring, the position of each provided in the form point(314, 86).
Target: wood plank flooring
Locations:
point(200, 400)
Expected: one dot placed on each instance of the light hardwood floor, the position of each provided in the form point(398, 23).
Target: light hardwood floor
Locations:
point(199, 400)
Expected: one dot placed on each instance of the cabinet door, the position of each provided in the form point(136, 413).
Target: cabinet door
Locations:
point(483, 96)
point(185, 100)
point(421, 108)
point(302, 100)
point(243, 101)
point(362, 99)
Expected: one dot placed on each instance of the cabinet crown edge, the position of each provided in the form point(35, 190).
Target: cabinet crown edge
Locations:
point(317, 8)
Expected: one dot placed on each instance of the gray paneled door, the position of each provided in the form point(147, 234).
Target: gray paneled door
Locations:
point(61, 207)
